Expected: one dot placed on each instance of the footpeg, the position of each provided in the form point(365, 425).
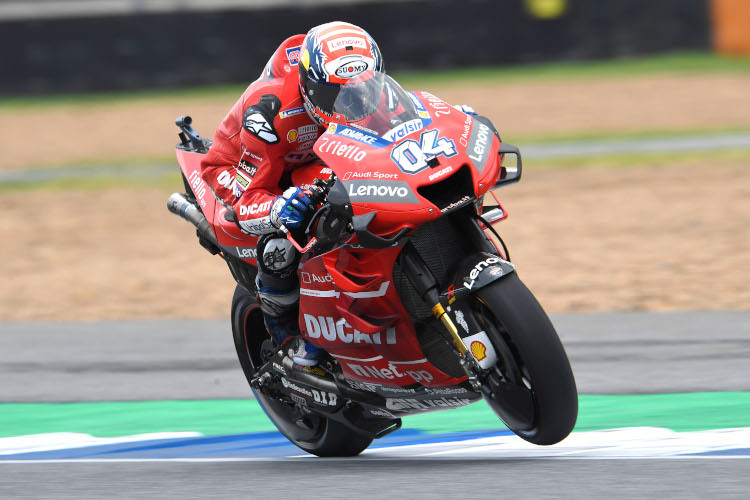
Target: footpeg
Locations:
point(261, 381)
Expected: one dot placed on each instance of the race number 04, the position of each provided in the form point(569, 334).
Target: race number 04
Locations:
point(412, 156)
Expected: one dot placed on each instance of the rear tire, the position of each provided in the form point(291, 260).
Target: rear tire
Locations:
point(540, 382)
point(323, 437)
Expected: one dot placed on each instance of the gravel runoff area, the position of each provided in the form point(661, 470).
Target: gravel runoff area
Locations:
point(143, 128)
point(654, 237)
point(662, 235)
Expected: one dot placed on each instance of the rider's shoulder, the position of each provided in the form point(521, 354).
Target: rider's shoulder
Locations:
point(280, 77)
point(275, 95)
point(284, 60)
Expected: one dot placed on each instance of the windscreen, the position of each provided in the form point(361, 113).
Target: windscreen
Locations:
point(376, 102)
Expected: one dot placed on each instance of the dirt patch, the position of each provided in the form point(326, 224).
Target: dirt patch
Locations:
point(656, 237)
point(62, 135)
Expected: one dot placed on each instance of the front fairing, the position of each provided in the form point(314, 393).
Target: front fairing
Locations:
point(390, 172)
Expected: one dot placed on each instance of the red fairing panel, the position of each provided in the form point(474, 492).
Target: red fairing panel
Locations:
point(229, 236)
point(190, 164)
point(366, 168)
point(350, 307)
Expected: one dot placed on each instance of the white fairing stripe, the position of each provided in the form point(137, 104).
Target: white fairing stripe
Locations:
point(368, 295)
point(338, 356)
point(311, 292)
point(415, 362)
point(319, 293)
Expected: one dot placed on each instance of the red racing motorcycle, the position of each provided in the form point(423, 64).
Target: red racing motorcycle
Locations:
point(404, 281)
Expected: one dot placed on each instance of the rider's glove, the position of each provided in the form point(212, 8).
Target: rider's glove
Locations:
point(289, 208)
point(465, 109)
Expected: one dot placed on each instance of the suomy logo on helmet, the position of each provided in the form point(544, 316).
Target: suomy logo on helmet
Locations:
point(350, 69)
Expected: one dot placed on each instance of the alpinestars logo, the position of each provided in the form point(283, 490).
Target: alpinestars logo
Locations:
point(275, 259)
point(256, 124)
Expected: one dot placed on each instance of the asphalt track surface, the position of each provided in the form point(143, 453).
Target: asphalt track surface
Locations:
point(611, 353)
point(385, 479)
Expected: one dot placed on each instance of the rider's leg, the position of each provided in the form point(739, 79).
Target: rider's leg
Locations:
point(278, 289)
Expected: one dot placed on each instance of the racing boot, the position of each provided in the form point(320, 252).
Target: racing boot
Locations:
point(303, 353)
point(278, 293)
point(285, 332)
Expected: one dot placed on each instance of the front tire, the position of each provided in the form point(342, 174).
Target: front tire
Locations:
point(319, 435)
point(537, 399)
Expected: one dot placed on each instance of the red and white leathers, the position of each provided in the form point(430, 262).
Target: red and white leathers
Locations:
point(266, 134)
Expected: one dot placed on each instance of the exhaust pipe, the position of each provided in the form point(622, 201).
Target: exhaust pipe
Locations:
point(179, 205)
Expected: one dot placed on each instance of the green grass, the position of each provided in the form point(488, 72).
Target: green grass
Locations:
point(677, 63)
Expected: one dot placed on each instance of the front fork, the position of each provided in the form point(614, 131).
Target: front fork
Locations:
point(427, 287)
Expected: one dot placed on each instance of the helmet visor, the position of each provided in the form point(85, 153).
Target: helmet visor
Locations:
point(322, 95)
point(360, 96)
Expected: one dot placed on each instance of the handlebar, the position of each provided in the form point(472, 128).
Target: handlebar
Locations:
point(317, 194)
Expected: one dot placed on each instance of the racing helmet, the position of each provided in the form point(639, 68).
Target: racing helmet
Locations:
point(331, 54)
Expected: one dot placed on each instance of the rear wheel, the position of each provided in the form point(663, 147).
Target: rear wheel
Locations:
point(312, 433)
point(536, 395)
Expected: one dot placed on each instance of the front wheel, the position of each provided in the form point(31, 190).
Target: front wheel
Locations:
point(312, 433)
point(534, 393)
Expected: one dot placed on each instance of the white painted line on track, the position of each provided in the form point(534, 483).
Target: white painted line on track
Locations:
point(634, 442)
point(69, 440)
point(627, 443)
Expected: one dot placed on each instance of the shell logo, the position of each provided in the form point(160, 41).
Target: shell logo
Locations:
point(479, 350)
point(332, 128)
point(291, 136)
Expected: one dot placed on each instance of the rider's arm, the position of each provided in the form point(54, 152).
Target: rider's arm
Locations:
point(240, 167)
point(218, 166)
point(260, 166)
point(258, 178)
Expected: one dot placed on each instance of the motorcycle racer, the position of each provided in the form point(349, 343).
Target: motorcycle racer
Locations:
point(271, 130)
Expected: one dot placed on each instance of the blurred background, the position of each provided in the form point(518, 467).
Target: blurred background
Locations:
point(90, 90)
point(630, 225)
